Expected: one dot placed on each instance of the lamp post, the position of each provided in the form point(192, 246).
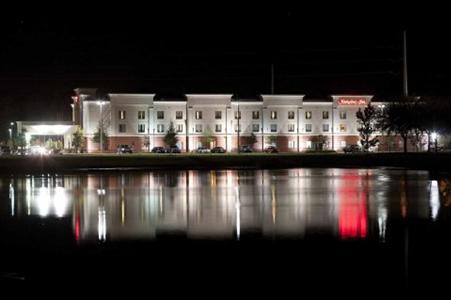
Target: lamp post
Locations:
point(100, 103)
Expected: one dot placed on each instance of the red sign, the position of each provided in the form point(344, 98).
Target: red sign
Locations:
point(352, 101)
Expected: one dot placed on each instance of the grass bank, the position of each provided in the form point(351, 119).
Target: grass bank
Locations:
point(70, 162)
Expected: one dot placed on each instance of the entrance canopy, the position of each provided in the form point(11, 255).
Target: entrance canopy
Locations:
point(45, 128)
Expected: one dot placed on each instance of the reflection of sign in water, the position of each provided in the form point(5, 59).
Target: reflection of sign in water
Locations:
point(352, 101)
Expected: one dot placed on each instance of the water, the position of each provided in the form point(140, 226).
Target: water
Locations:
point(337, 227)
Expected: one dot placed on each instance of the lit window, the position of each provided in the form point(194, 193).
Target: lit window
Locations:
point(290, 127)
point(308, 127)
point(218, 128)
point(342, 115)
point(308, 115)
point(160, 115)
point(218, 115)
point(160, 128)
point(291, 115)
point(255, 115)
point(141, 128)
point(141, 115)
point(273, 127)
point(199, 127)
point(325, 127)
point(179, 115)
point(342, 128)
point(122, 115)
point(325, 115)
point(342, 144)
point(179, 128)
point(308, 144)
point(198, 115)
point(122, 128)
point(273, 115)
point(291, 144)
point(255, 127)
point(238, 115)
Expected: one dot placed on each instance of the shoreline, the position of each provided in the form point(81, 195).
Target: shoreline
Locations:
point(113, 162)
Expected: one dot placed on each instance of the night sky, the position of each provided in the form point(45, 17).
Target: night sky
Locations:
point(44, 56)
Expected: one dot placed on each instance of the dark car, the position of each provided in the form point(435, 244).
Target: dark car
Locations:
point(271, 149)
point(124, 149)
point(351, 149)
point(173, 149)
point(218, 150)
point(245, 149)
point(5, 150)
point(158, 150)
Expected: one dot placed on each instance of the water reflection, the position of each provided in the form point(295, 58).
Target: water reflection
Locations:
point(295, 203)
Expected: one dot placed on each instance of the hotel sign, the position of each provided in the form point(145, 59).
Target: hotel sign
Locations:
point(352, 101)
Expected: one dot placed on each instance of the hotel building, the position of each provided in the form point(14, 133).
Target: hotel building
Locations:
point(290, 122)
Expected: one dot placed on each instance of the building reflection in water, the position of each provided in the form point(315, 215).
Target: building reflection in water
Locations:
point(294, 203)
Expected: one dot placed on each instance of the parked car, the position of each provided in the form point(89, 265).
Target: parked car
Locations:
point(173, 149)
point(124, 149)
point(218, 150)
point(202, 149)
point(158, 150)
point(351, 149)
point(245, 149)
point(4, 150)
point(271, 149)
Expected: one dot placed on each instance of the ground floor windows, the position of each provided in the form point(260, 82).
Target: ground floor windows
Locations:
point(308, 144)
point(160, 128)
point(179, 128)
point(122, 128)
point(291, 144)
point(141, 128)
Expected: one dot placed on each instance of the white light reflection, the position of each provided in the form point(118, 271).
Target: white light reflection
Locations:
point(238, 213)
point(434, 200)
point(382, 222)
point(101, 225)
point(11, 197)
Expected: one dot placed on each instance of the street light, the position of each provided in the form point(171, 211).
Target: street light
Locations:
point(101, 103)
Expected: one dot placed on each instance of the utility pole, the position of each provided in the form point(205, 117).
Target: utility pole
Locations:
point(272, 79)
point(405, 86)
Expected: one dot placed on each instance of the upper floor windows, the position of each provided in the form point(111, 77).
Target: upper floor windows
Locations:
point(291, 115)
point(122, 115)
point(141, 115)
point(198, 115)
point(325, 115)
point(160, 115)
point(179, 115)
point(218, 114)
point(273, 115)
point(255, 115)
point(342, 115)
point(308, 115)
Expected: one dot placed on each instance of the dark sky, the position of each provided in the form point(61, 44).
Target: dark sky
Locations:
point(44, 56)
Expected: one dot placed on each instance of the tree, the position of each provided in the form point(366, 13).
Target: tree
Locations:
point(272, 139)
point(320, 141)
point(20, 140)
point(208, 137)
point(96, 138)
point(252, 139)
point(77, 140)
point(367, 120)
point(398, 118)
point(170, 139)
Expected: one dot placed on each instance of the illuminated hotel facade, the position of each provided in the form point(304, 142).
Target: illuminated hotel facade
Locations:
point(290, 122)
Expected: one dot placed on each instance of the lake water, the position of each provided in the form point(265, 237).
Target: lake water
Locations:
point(352, 227)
